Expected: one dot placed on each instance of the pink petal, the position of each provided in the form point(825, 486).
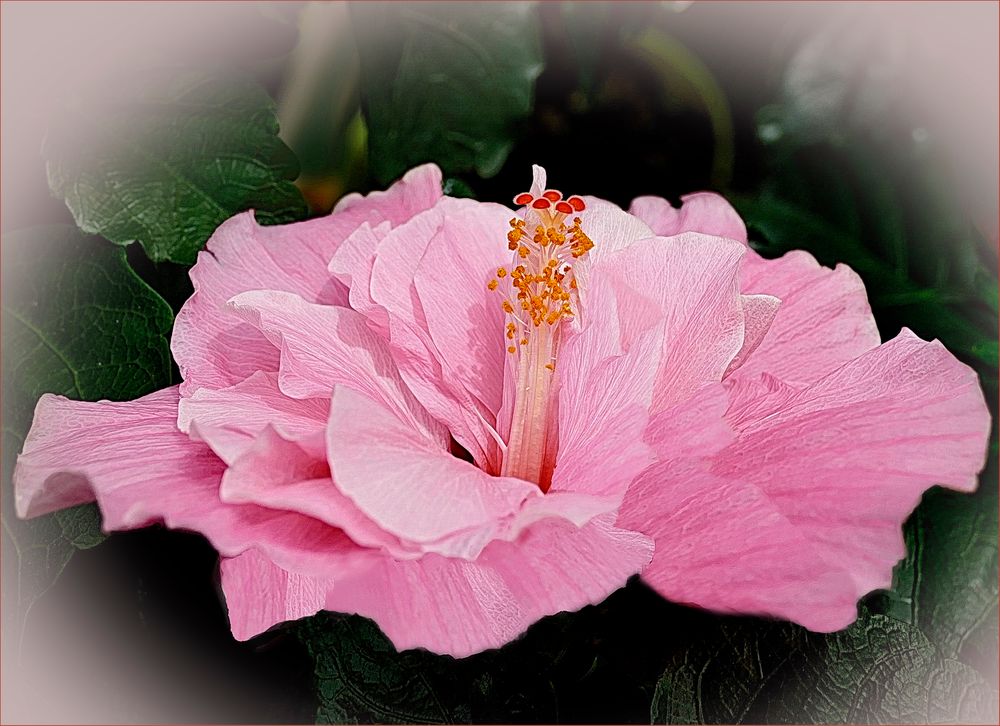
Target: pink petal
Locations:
point(419, 189)
point(606, 377)
point(694, 281)
point(421, 365)
point(230, 419)
point(460, 607)
point(703, 212)
point(141, 469)
point(412, 487)
point(759, 312)
point(611, 228)
point(847, 459)
point(824, 320)
point(465, 321)
point(722, 545)
point(282, 475)
point(260, 594)
point(323, 346)
point(352, 264)
point(242, 255)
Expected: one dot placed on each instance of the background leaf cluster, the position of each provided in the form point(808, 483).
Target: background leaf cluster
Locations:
point(618, 101)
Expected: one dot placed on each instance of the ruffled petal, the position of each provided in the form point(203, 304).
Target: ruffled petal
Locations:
point(259, 594)
point(694, 280)
point(412, 487)
point(847, 459)
point(463, 607)
point(419, 189)
point(824, 320)
point(141, 469)
point(243, 255)
point(463, 319)
point(396, 312)
point(606, 377)
point(759, 312)
point(720, 543)
point(703, 212)
point(282, 475)
point(230, 419)
point(323, 346)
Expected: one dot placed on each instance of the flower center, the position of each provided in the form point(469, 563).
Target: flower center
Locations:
point(539, 293)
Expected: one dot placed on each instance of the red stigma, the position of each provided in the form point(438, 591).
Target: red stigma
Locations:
point(577, 203)
point(564, 207)
point(552, 195)
point(523, 199)
point(541, 203)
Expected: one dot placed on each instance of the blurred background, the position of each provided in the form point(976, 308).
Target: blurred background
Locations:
point(865, 133)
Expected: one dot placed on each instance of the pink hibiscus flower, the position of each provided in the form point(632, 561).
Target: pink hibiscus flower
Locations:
point(453, 422)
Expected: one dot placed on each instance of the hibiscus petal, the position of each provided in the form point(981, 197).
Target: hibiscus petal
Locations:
point(703, 212)
point(259, 594)
point(280, 474)
point(323, 346)
point(242, 255)
point(352, 264)
point(230, 419)
point(611, 228)
point(848, 458)
point(824, 320)
point(464, 320)
point(694, 281)
point(421, 364)
point(606, 376)
point(759, 312)
point(141, 469)
point(722, 545)
point(410, 486)
point(468, 606)
point(419, 189)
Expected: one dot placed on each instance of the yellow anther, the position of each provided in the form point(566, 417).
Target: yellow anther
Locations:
point(507, 307)
point(510, 349)
point(492, 284)
point(501, 272)
point(550, 366)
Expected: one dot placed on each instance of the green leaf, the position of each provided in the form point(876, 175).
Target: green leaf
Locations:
point(879, 670)
point(445, 82)
point(168, 159)
point(361, 679)
point(81, 526)
point(947, 584)
point(77, 321)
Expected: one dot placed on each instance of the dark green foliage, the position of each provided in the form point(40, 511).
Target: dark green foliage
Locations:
point(445, 82)
point(166, 160)
point(77, 322)
point(879, 670)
